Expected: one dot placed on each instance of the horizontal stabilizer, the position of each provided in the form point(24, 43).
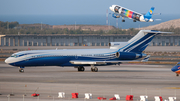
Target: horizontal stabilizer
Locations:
point(146, 58)
point(156, 13)
point(154, 31)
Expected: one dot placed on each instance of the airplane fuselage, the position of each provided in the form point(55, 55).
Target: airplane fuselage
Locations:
point(62, 57)
point(124, 12)
point(117, 53)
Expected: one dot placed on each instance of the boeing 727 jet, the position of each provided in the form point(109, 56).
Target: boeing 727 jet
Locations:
point(118, 53)
point(126, 13)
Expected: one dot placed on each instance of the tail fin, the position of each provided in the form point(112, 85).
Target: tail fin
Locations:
point(140, 41)
point(148, 15)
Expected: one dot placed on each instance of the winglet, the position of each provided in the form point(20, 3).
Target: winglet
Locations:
point(146, 58)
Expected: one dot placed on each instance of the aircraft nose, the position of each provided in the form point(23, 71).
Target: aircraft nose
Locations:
point(7, 61)
point(175, 68)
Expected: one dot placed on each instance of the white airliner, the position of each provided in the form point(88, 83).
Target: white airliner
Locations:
point(126, 13)
point(119, 52)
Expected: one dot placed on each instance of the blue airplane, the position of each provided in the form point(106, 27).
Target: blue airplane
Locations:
point(118, 53)
point(126, 13)
point(176, 69)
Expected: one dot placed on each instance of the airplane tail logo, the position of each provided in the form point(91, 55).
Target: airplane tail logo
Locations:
point(150, 11)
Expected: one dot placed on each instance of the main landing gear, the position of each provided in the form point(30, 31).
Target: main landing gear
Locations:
point(94, 69)
point(123, 19)
point(80, 68)
point(177, 74)
point(21, 69)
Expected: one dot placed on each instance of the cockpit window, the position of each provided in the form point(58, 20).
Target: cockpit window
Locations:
point(178, 64)
point(14, 55)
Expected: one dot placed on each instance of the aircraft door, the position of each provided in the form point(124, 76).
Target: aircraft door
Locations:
point(76, 56)
point(120, 10)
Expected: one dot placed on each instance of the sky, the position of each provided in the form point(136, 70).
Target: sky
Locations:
point(84, 7)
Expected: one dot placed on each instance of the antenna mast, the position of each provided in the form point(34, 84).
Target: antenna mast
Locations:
point(107, 17)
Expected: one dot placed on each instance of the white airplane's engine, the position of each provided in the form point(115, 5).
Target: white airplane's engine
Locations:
point(116, 15)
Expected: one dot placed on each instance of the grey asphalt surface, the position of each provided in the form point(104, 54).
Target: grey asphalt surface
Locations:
point(135, 79)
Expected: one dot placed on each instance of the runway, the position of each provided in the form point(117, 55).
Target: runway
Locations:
point(135, 79)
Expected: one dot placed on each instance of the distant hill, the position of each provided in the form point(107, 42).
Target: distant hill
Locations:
point(172, 23)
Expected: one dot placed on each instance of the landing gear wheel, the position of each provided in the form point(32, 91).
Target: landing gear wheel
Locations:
point(123, 20)
point(177, 74)
point(21, 70)
point(81, 68)
point(94, 69)
point(134, 20)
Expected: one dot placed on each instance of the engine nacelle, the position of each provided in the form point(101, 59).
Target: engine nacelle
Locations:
point(116, 45)
point(128, 56)
point(116, 15)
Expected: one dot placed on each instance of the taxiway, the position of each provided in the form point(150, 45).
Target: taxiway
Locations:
point(135, 79)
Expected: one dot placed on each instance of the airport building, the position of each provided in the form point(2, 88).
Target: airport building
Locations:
point(79, 40)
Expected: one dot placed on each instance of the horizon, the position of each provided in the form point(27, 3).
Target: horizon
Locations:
point(84, 20)
point(80, 7)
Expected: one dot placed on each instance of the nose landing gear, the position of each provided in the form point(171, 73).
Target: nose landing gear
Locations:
point(123, 19)
point(21, 69)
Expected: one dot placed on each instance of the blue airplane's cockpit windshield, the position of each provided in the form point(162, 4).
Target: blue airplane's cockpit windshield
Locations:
point(178, 64)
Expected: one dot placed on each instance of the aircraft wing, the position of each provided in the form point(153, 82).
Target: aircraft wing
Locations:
point(89, 62)
point(83, 62)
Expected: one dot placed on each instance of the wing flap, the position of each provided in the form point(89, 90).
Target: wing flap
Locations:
point(89, 62)
point(86, 62)
point(81, 62)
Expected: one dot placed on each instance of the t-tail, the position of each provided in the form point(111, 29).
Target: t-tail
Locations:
point(140, 41)
point(149, 14)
